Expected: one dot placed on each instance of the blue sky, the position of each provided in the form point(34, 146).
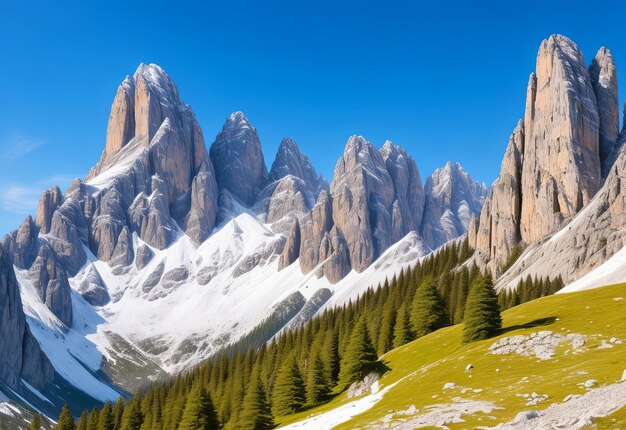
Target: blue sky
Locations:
point(444, 79)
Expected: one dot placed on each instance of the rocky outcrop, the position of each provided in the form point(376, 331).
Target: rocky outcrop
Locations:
point(20, 354)
point(561, 168)
point(552, 167)
point(498, 230)
point(238, 159)
point(408, 205)
point(288, 198)
point(362, 193)
point(50, 200)
point(21, 244)
point(604, 81)
point(93, 289)
point(292, 247)
point(291, 161)
point(376, 199)
point(50, 279)
point(313, 227)
point(452, 196)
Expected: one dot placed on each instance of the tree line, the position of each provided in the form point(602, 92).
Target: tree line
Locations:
point(309, 365)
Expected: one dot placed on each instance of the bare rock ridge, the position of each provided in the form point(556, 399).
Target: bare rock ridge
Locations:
point(238, 159)
point(376, 198)
point(452, 197)
point(604, 80)
point(20, 354)
point(557, 155)
point(156, 183)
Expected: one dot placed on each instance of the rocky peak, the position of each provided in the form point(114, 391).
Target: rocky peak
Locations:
point(451, 197)
point(20, 354)
point(604, 80)
point(561, 169)
point(291, 161)
point(362, 193)
point(553, 163)
point(408, 191)
point(238, 159)
point(50, 200)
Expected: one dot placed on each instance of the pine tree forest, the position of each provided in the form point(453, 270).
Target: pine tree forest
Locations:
point(250, 387)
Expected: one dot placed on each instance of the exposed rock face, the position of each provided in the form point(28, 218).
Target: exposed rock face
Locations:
point(20, 354)
point(591, 238)
point(499, 228)
point(452, 196)
point(292, 247)
point(552, 167)
point(604, 80)
point(362, 193)
point(93, 288)
point(376, 199)
point(408, 205)
point(50, 279)
point(50, 200)
point(201, 218)
point(21, 244)
point(291, 161)
point(313, 228)
point(561, 168)
point(121, 128)
point(289, 197)
point(238, 159)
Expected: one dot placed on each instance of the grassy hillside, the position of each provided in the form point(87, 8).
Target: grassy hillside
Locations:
point(502, 385)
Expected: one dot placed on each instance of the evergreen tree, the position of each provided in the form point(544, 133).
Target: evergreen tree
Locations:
point(330, 355)
point(256, 413)
point(132, 417)
point(387, 325)
point(317, 384)
point(82, 421)
point(35, 423)
point(289, 394)
point(199, 413)
point(106, 418)
point(92, 422)
point(482, 313)
point(66, 420)
point(360, 357)
point(118, 412)
point(428, 313)
point(402, 330)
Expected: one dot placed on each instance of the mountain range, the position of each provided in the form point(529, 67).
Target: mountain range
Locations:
point(169, 252)
point(125, 277)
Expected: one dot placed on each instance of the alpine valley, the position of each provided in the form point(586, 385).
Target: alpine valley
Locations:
point(174, 262)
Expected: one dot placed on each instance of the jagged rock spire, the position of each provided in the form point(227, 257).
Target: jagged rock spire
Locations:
point(238, 159)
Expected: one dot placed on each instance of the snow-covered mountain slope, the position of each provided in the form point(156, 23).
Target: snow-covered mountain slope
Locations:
point(167, 253)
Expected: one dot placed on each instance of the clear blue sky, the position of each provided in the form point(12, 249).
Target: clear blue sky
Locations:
point(444, 79)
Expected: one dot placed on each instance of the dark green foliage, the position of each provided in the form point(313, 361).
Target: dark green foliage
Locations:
point(529, 289)
point(256, 413)
point(92, 422)
point(516, 252)
point(35, 423)
point(360, 357)
point(289, 394)
point(482, 313)
point(402, 333)
point(428, 313)
point(82, 421)
point(105, 420)
point(118, 412)
point(132, 418)
point(66, 420)
point(199, 413)
point(318, 384)
point(326, 354)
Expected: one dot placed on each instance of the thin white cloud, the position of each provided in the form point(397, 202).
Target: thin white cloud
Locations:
point(20, 145)
point(19, 199)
